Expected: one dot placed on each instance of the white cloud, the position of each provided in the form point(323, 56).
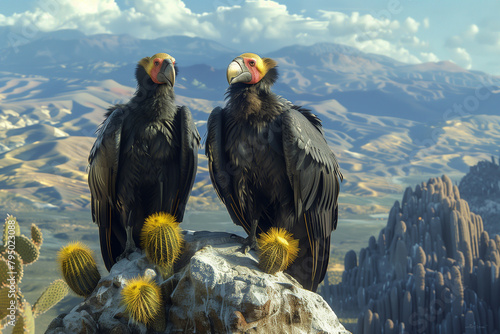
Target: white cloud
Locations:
point(462, 57)
point(411, 25)
point(426, 23)
point(253, 25)
point(88, 16)
point(471, 31)
point(428, 57)
point(477, 41)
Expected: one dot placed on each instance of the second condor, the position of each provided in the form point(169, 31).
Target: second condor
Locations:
point(271, 166)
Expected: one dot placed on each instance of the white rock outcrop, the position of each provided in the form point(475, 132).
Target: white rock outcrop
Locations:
point(215, 289)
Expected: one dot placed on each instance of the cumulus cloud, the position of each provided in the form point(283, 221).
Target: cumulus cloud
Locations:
point(255, 25)
point(428, 57)
point(462, 57)
point(472, 31)
point(488, 35)
point(411, 25)
point(426, 23)
point(477, 41)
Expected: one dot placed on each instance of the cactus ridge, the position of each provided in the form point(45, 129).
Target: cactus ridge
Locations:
point(25, 247)
point(277, 250)
point(79, 268)
point(162, 239)
point(142, 300)
point(56, 291)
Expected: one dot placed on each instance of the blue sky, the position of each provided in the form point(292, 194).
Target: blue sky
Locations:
point(465, 32)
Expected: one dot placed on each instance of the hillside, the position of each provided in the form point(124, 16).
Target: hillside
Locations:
point(389, 123)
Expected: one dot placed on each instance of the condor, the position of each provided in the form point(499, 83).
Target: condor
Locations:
point(144, 159)
point(272, 167)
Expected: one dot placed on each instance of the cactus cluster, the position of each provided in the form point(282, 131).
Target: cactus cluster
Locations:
point(79, 268)
point(277, 250)
point(16, 251)
point(432, 269)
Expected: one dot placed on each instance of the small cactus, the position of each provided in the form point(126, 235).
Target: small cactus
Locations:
point(142, 300)
point(51, 296)
point(79, 268)
point(19, 250)
point(162, 240)
point(36, 235)
point(277, 250)
point(28, 251)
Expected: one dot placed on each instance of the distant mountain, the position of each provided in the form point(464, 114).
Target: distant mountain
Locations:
point(389, 123)
point(72, 54)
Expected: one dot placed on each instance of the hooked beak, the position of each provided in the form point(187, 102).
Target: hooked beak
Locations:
point(238, 72)
point(167, 72)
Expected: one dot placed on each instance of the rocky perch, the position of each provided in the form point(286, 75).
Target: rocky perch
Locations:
point(215, 289)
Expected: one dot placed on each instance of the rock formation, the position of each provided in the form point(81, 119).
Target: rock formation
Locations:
point(432, 269)
point(480, 187)
point(215, 289)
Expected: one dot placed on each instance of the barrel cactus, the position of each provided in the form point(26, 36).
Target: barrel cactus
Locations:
point(79, 268)
point(277, 250)
point(143, 301)
point(162, 240)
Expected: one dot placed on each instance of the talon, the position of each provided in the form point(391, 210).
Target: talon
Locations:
point(130, 246)
point(251, 241)
point(249, 244)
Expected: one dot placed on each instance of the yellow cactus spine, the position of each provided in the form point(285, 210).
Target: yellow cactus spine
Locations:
point(79, 268)
point(142, 300)
point(162, 240)
point(277, 250)
point(36, 235)
point(51, 296)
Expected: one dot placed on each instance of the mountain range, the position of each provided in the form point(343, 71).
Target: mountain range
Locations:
point(390, 124)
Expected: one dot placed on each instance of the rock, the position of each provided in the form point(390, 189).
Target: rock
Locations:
point(438, 264)
point(215, 289)
point(481, 188)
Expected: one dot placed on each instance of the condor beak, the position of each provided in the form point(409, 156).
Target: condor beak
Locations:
point(167, 72)
point(238, 72)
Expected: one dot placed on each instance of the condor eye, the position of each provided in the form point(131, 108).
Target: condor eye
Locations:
point(157, 63)
point(251, 63)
